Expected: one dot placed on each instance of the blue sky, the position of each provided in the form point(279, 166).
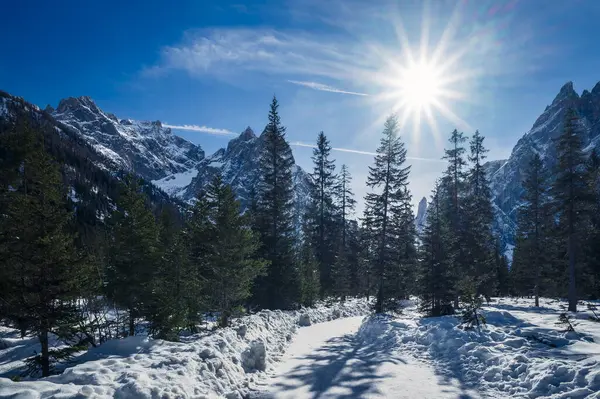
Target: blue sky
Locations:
point(338, 66)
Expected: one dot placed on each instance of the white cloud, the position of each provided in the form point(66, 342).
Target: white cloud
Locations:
point(323, 87)
point(202, 129)
point(224, 51)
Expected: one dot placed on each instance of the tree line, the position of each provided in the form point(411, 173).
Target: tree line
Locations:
point(165, 268)
point(557, 251)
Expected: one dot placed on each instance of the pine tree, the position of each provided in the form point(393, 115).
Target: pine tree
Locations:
point(345, 200)
point(571, 196)
point(534, 229)
point(274, 218)
point(452, 189)
point(134, 253)
point(42, 274)
point(232, 247)
point(309, 272)
point(322, 213)
point(435, 281)
point(479, 275)
point(345, 203)
point(171, 281)
point(388, 178)
point(591, 279)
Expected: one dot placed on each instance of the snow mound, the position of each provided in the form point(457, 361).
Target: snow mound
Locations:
point(511, 357)
point(226, 363)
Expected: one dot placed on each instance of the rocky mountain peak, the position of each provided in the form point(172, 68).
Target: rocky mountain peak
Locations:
point(421, 218)
point(567, 92)
point(247, 134)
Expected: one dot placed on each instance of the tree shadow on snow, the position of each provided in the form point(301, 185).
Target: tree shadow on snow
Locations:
point(345, 363)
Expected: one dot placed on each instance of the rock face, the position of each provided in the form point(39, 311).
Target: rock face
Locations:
point(175, 165)
point(145, 148)
point(421, 217)
point(506, 176)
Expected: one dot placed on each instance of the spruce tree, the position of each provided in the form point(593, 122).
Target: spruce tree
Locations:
point(452, 193)
point(134, 253)
point(309, 272)
point(534, 230)
point(172, 280)
point(42, 274)
point(571, 196)
point(344, 259)
point(388, 179)
point(591, 281)
point(479, 273)
point(344, 197)
point(322, 212)
point(274, 218)
point(435, 280)
point(232, 248)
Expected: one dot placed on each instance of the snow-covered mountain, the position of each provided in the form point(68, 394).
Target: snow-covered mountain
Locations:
point(238, 164)
point(506, 176)
point(145, 148)
point(173, 164)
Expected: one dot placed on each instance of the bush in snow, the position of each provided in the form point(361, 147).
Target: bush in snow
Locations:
point(472, 316)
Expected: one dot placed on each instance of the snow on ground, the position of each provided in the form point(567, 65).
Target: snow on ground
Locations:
point(329, 360)
point(224, 363)
point(520, 353)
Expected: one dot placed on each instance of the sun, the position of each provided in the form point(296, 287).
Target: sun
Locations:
point(419, 85)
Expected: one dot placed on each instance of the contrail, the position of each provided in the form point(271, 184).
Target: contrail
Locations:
point(322, 87)
point(202, 129)
point(225, 132)
point(300, 144)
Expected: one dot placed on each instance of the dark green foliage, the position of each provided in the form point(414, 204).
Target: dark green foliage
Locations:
point(534, 236)
point(41, 273)
point(565, 320)
point(435, 281)
point(274, 217)
point(478, 241)
point(571, 199)
point(171, 281)
point(134, 253)
point(471, 316)
point(321, 217)
point(309, 274)
point(388, 227)
point(229, 263)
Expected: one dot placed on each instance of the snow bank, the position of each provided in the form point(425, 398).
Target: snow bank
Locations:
point(515, 355)
point(225, 363)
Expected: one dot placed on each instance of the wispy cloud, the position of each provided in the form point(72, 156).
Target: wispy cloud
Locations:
point(301, 144)
point(231, 51)
point(202, 129)
point(323, 87)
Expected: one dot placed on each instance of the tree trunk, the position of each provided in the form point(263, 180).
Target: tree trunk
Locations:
point(131, 324)
point(45, 359)
point(224, 322)
point(572, 288)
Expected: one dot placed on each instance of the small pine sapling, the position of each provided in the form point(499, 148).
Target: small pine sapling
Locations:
point(566, 320)
point(471, 316)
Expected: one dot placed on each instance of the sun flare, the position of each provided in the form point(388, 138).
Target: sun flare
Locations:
point(419, 85)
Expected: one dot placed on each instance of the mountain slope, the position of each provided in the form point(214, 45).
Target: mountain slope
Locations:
point(506, 176)
point(173, 164)
point(90, 176)
point(145, 148)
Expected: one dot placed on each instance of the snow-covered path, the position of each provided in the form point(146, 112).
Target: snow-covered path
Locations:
point(327, 360)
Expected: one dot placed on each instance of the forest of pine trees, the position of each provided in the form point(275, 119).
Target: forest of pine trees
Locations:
point(164, 269)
